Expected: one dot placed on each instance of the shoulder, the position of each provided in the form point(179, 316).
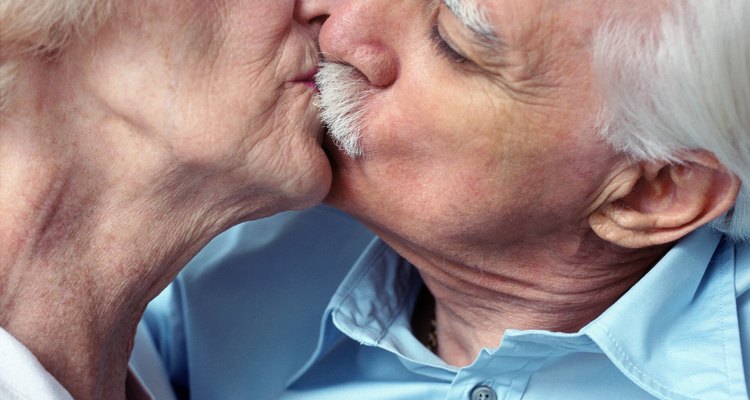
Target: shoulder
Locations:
point(742, 271)
point(742, 290)
point(252, 302)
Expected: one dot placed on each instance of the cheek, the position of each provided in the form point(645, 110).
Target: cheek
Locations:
point(404, 123)
point(261, 19)
point(237, 33)
point(251, 48)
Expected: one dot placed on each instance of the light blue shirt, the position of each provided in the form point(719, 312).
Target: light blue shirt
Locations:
point(263, 313)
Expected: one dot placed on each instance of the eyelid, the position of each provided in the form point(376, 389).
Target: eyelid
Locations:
point(444, 48)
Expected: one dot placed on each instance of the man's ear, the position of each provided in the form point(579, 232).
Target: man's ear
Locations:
point(664, 202)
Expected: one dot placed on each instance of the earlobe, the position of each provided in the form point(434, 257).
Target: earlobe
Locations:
point(666, 202)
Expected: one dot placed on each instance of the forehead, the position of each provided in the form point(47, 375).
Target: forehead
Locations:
point(506, 21)
point(532, 41)
point(486, 15)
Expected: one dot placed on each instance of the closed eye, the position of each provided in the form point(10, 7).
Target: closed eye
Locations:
point(444, 48)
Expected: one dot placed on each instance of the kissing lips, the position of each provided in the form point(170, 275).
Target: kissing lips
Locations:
point(307, 79)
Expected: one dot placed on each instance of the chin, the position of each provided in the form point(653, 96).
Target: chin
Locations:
point(340, 193)
point(315, 181)
point(334, 156)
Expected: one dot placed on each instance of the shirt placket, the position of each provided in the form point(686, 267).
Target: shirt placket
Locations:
point(502, 374)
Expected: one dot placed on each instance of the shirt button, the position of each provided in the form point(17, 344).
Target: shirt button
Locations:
point(482, 392)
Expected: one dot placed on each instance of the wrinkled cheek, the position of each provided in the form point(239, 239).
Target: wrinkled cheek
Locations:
point(203, 37)
point(259, 19)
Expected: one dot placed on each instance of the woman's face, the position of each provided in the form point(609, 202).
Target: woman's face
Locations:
point(222, 88)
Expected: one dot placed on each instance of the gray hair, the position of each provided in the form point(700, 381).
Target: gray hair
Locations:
point(683, 86)
point(42, 27)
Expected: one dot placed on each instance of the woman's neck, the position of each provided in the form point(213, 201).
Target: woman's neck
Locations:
point(90, 231)
point(79, 265)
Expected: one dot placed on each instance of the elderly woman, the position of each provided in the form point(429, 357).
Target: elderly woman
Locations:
point(131, 133)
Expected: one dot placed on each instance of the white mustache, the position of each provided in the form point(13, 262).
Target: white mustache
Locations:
point(343, 90)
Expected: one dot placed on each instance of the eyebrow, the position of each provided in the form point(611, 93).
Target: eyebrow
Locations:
point(473, 17)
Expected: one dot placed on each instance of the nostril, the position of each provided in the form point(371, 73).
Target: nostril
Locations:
point(318, 22)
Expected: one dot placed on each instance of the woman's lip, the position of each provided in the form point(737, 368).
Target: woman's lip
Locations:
point(308, 76)
point(307, 79)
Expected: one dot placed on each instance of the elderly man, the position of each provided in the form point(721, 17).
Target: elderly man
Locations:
point(540, 175)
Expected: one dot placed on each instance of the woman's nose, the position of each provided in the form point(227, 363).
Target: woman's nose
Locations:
point(357, 33)
point(313, 12)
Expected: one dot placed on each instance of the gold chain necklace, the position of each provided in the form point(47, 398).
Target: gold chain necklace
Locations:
point(432, 339)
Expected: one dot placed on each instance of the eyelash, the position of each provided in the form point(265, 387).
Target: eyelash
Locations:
point(444, 48)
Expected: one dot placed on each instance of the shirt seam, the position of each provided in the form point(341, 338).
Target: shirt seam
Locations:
point(722, 301)
point(727, 281)
point(356, 281)
point(633, 369)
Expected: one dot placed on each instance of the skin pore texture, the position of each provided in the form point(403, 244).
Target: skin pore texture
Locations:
point(127, 152)
point(480, 163)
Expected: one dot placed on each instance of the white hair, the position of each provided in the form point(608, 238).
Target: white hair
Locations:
point(42, 27)
point(472, 16)
point(683, 86)
point(343, 91)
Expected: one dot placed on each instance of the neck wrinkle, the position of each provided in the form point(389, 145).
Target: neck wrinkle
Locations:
point(85, 284)
point(558, 288)
point(82, 254)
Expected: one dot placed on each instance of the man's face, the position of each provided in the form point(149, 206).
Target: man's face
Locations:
point(477, 118)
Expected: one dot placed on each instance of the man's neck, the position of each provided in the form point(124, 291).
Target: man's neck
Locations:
point(559, 287)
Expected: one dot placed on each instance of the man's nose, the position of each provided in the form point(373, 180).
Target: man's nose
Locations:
point(358, 33)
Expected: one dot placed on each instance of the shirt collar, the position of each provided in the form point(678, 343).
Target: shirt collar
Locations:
point(680, 315)
point(381, 287)
point(373, 306)
point(675, 333)
point(22, 376)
